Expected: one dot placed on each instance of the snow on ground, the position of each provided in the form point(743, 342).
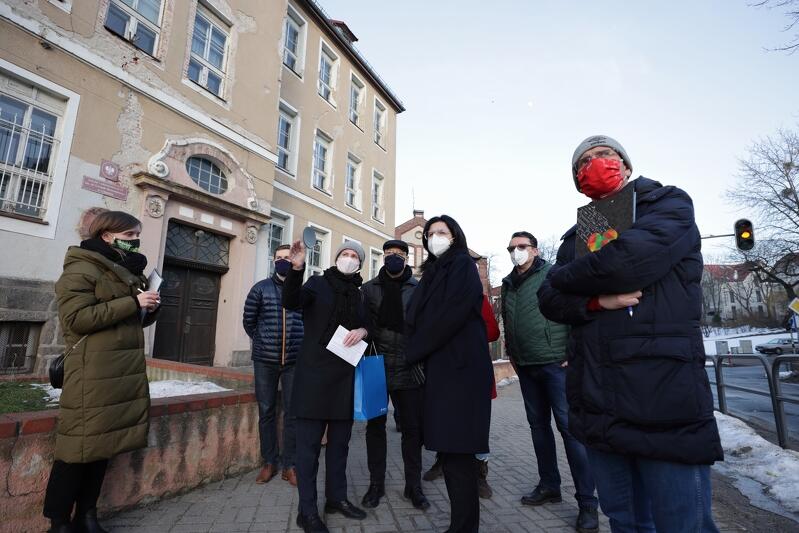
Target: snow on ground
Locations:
point(158, 389)
point(734, 336)
point(765, 473)
point(507, 381)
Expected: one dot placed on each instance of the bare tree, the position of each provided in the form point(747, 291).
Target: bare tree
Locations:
point(548, 248)
point(767, 186)
point(792, 12)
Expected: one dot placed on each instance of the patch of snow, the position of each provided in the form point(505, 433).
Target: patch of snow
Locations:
point(749, 457)
point(158, 389)
point(507, 381)
point(498, 361)
point(757, 336)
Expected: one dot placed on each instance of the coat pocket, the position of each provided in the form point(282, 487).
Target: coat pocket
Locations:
point(654, 380)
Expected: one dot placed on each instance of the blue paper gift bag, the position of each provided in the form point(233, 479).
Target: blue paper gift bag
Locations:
point(371, 396)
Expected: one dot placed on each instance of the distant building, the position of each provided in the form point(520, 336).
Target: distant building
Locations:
point(732, 293)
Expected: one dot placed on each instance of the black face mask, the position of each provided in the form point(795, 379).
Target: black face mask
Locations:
point(127, 246)
point(282, 266)
point(394, 264)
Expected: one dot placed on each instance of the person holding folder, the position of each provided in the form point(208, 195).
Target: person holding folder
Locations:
point(323, 381)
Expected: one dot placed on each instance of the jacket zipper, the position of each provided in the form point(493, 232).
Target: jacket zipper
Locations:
point(283, 355)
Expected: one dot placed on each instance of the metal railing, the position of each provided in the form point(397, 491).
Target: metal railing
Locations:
point(771, 369)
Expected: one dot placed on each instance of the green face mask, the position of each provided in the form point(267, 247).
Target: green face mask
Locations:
point(127, 246)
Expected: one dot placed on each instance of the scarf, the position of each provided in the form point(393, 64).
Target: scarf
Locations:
point(347, 299)
point(133, 261)
point(392, 314)
point(517, 279)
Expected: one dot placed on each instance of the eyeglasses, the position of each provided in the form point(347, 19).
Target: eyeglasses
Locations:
point(442, 232)
point(602, 154)
point(398, 254)
point(520, 247)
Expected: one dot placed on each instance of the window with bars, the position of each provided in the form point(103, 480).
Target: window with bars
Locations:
point(136, 21)
point(206, 174)
point(197, 246)
point(321, 163)
point(29, 140)
point(18, 345)
point(293, 41)
point(208, 54)
point(352, 185)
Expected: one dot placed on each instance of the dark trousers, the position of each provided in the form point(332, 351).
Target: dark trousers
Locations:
point(460, 475)
point(267, 377)
point(544, 392)
point(70, 484)
point(309, 445)
point(409, 405)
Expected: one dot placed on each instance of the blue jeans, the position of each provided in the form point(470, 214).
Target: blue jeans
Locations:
point(544, 392)
point(645, 495)
point(267, 376)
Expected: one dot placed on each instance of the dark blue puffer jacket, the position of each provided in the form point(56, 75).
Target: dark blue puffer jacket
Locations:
point(637, 385)
point(265, 320)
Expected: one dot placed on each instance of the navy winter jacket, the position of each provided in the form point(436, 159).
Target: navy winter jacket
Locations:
point(637, 385)
point(265, 320)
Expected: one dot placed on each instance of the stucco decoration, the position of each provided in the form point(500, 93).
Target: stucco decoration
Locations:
point(155, 206)
point(251, 234)
point(170, 162)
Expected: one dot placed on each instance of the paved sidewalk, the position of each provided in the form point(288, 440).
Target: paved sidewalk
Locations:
point(238, 504)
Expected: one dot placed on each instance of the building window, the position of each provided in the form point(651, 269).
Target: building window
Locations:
point(287, 139)
point(206, 174)
point(208, 54)
point(18, 345)
point(316, 256)
point(328, 67)
point(136, 21)
point(376, 261)
point(29, 140)
point(411, 256)
point(321, 163)
point(760, 311)
point(356, 90)
point(352, 187)
point(377, 196)
point(759, 296)
point(276, 233)
point(294, 41)
point(380, 124)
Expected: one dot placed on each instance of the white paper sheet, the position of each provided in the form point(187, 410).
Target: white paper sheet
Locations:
point(352, 354)
point(154, 281)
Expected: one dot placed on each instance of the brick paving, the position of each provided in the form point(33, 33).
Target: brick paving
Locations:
point(237, 504)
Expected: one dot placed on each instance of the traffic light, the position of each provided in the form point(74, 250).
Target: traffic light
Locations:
point(744, 235)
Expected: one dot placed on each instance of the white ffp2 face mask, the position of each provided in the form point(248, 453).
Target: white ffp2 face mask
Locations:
point(438, 245)
point(347, 265)
point(519, 257)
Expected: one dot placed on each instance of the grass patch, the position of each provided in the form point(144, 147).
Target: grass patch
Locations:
point(19, 396)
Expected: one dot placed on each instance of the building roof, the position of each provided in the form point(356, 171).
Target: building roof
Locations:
point(344, 38)
point(729, 273)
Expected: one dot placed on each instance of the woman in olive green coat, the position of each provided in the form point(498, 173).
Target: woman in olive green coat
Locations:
point(102, 307)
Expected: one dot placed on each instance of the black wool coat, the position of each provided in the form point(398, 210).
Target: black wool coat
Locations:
point(447, 332)
point(323, 382)
point(637, 384)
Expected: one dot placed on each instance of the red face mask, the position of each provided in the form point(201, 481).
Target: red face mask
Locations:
point(600, 178)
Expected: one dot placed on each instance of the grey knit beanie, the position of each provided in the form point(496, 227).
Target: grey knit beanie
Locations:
point(598, 140)
point(355, 247)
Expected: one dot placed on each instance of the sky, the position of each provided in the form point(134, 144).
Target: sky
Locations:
point(498, 96)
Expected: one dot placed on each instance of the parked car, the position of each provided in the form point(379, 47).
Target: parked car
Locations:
point(776, 346)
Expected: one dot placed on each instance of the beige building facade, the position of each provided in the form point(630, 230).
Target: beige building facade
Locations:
point(170, 110)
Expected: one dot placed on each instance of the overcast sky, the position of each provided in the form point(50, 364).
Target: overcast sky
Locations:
point(499, 95)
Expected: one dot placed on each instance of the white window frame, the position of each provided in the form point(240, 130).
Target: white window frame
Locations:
point(372, 253)
point(302, 26)
point(321, 136)
point(323, 235)
point(263, 269)
point(357, 109)
point(327, 51)
point(380, 126)
point(136, 18)
point(205, 66)
point(66, 130)
point(355, 190)
point(378, 180)
point(290, 113)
